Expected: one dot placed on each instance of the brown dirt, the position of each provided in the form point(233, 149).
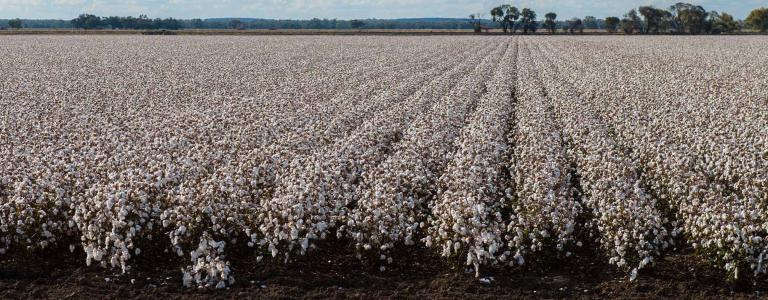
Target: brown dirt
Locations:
point(338, 274)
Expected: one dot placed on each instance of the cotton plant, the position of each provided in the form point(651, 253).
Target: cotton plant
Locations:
point(469, 146)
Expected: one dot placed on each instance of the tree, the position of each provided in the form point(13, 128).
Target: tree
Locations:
point(590, 22)
point(497, 15)
point(656, 19)
point(511, 16)
point(549, 22)
point(475, 22)
point(612, 24)
point(169, 23)
point(87, 21)
point(14, 24)
point(505, 15)
point(722, 23)
point(197, 23)
point(113, 22)
point(631, 22)
point(142, 22)
point(651, 20)
point(627, 26)
point(575, 24)
point(666, 21)
point(758, 19)
point(689, 18)
point(528, 20)
point(356, 24)
point(236, 24)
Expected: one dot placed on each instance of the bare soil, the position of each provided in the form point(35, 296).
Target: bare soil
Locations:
point(336, 273)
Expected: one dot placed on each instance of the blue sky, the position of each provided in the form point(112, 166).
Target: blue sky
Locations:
point(341, 9)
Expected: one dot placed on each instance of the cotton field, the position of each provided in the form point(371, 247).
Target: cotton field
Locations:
point(493, 152)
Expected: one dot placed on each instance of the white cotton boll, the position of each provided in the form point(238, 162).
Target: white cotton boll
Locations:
point(492, 172)
point(97, 254)
point(321, 226)
point(180, 231)
point(221, 285)
point(644, 262)
point(187, 280)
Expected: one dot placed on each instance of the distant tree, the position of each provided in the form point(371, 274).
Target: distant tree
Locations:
point(689, 18)
point(627, 26)
point(758, 19)
point(656, 19)
point(742, 24)
point(528, 20)
point(144, 22)
point(236, 24)
point(631, 22)
point(651, 20)
point(169, 23)
point(667, 21)
point(129, 22)
point(356, 24)
point(87, 21)
point(475, 22)
point(574, 25)
point(612, 24)
point(505, 15)
point(510, 17)
point(197, 23)
point(14, 24)
point(722, 22)
point(497, 15)
point(113, 22)
point(549, 22)
point(590, 22)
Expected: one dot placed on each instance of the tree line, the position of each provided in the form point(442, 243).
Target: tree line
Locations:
point(681, 18)
point(89, 21)
point(678, 18)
